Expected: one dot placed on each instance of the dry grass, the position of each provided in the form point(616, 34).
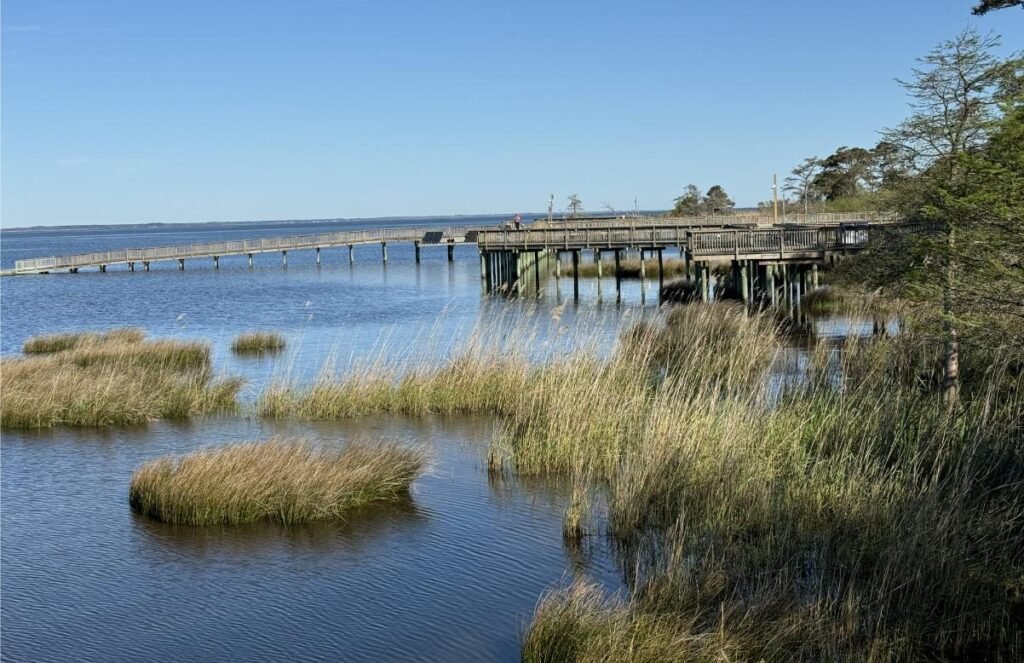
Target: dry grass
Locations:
point(50, 343)
point(112, 379)
point(846, 515)
point(284, 481)
point(257, 343)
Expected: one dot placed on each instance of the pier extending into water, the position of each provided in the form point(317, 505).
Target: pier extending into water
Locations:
point(763, 255)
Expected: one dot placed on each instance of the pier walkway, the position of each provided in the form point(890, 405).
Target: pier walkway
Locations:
point(710, 235)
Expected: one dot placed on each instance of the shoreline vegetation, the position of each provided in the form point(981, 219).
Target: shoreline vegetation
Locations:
point(760, 519)
point(258, 343)
point(285, 481)
point(759, 512)
point(114, 378)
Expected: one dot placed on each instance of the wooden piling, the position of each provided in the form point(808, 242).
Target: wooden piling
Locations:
point(318, 256)
point(451, 253)
point(216, 262)
point(284, 258)
point(384, 252)
point(250, 261)
point(416, 248)
point(576, 274)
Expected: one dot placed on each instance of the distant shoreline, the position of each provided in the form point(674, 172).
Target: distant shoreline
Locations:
point(341, 220)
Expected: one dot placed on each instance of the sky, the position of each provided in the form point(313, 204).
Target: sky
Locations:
point(120, 111)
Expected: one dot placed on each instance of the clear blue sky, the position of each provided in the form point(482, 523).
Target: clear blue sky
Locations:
point(120, 111)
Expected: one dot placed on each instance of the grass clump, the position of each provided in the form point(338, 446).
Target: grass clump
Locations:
point(112, 379)
point(51, 343)
point(257, 342)
point(285, 481)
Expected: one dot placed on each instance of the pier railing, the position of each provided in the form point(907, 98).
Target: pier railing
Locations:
point(718, 242)
point(242, 247)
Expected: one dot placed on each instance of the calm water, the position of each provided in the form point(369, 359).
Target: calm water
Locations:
point(452, 575)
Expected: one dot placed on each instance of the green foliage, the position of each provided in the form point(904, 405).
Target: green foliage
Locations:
point(688, 204)
point(985, 6)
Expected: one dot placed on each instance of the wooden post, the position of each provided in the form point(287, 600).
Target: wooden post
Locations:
point(576, 274)
point(600, 267)
point(705, 292)
point(181, 264)
point(618, 271)
point(661, 270)
point(351, 255)
point(814, 276)
point(103, 268)
point(485, 264)
point(643, 267)
point(384, 251)
point(416, 247)
point(558, 264)
point(318, 256)
point(451, 253)
point(743, 283)
point(216, 262)
point(536, 269)
point(771, 283)
point(145, 265)
point(284, 258)
point(250, 261)
point(131, 267)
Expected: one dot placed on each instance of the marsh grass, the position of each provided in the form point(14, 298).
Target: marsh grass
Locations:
point(285, 481)
point(50, 343)
point(258, 343)
point(112, 379)
point(849, 514)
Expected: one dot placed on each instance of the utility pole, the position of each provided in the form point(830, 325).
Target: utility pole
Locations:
point(775, 197)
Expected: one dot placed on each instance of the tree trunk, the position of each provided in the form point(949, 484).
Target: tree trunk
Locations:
point(951, 365)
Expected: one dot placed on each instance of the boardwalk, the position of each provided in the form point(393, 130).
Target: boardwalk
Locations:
point(583, 233)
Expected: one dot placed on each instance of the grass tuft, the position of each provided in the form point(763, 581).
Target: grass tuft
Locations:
point(51, 343)
point(285, 481)
point(111, 379)
point(257, 343)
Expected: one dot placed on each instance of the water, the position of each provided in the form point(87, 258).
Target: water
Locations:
point(454, 574)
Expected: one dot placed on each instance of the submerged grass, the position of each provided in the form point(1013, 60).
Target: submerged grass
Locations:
point(115, 378)
point(257, 342)
point(280, 480)
point(847, 513)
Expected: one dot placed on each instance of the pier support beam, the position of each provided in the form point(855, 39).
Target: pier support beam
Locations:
point(558, 264)
point(770, 269)
point(318, 256)
point(384, 252)
point(451, 253)
point(351, 255)
point(284, 258)
point(416, 248)
point(643, 267)
point(576, 274)
point(536, 270)
point(216, 262)
point(181, 264)
point(483, 265)
point(618, 272)
point(661, 270)
point(250, 260)
point(814, 276)
point(744, 286)
point(145, 266)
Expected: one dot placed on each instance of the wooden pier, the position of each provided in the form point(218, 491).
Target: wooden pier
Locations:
point(758, 251)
